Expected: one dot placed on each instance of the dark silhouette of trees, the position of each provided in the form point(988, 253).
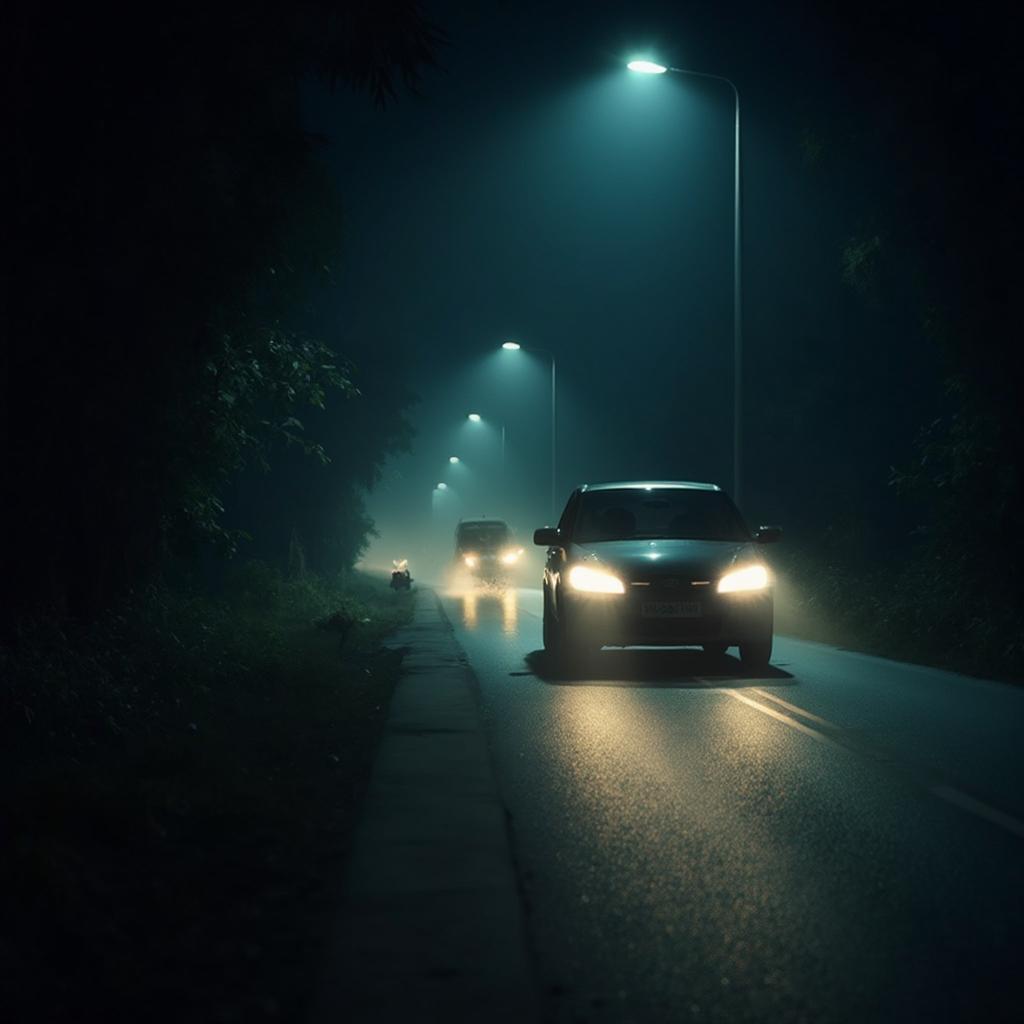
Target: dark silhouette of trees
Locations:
point(914, 470)
point(167, 218)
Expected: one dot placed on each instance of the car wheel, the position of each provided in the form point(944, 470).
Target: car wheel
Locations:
point(552, 634)
point(577, 648)
point(715, 650)
point(756, 654)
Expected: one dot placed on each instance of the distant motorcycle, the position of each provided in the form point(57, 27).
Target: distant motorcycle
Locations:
point(400, 578)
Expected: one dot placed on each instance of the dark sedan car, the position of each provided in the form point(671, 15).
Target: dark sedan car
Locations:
point(656, 563)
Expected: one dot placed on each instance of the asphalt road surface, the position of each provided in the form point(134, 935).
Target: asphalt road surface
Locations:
point(841, 839)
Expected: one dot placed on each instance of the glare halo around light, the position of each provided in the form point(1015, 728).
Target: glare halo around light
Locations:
point(646, 67)
point(442, 487)
point(454, 459)
point(511, 346)
point(473, 417)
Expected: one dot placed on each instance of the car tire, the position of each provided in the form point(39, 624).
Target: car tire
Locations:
point(577, 648)
point(567, 642)
point(756, 654)
point(551, 633)
point(715, 650)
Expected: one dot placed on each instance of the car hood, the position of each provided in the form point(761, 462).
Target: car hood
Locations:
point(646, 559)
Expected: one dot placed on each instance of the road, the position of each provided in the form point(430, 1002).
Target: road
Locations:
point(839, 840)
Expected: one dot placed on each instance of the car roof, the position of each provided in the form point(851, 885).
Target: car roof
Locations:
point(686, 485)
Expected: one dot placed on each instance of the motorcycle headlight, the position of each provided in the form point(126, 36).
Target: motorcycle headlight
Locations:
point(750, 577)
point(594, 581)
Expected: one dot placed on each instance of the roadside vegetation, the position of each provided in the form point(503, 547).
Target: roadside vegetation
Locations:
point(183, 778)
point(187, 730)
point(884, 423)
point(910, 612)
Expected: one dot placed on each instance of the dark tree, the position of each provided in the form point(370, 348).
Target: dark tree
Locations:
point(166, 217)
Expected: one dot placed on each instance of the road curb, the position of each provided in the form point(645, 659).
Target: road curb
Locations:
point(432, 926)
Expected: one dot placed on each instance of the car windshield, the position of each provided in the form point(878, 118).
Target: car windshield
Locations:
point(661, 513)
point(482, 536)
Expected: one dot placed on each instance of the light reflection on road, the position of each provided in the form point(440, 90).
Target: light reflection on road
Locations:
point(469, 615)
point(509, 612)
point(479, 604)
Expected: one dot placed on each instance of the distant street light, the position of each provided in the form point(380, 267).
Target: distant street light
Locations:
point(514, 346)
point(647, 67)
point(473, 417)
point(454, 459)
point(442, 486)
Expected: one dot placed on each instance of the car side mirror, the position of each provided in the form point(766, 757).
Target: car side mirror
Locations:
point(768, 534)
point(548, 537)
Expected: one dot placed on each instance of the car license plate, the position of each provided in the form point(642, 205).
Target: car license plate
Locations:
point(670, 609)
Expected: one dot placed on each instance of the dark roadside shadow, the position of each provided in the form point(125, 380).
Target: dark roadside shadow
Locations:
point(676, 668)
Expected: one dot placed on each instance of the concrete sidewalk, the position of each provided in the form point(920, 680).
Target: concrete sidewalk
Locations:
point(432, 927)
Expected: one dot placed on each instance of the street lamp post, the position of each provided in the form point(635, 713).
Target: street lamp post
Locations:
point(514, 346)
point(650, 68)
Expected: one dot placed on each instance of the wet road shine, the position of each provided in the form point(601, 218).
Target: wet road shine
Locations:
point(841, 839)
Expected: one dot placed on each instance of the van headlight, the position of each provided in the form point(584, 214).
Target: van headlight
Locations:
point(750, 577)
point(594, 581)
point(511, 556)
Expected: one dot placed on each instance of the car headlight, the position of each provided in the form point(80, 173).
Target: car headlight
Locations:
point(594, 581)
point(750, 577)
point(511, 557)
point(470, 560)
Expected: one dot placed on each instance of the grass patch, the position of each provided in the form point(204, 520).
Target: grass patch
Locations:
point(184, 777)
point(918, 611)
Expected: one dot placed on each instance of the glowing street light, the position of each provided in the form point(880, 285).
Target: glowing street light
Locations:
point(454, 459)
point(442, 486)
point(647, 67)
point(473, 417)
point(511, 346)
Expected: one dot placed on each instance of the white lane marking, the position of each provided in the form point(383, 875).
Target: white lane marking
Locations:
point(947, 793)
point(785, 719)
point(796, 710)
point(979, 809)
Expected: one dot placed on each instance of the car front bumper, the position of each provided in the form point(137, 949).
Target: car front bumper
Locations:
point(622, 620)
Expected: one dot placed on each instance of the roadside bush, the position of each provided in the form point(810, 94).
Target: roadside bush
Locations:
point(184, 775)
point(255, 585)
point(917, 609)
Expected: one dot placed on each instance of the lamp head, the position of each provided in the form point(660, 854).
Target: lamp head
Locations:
point(647, 67)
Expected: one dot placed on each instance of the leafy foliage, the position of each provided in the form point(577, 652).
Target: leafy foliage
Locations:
point(162, 331)
point(255, 383)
